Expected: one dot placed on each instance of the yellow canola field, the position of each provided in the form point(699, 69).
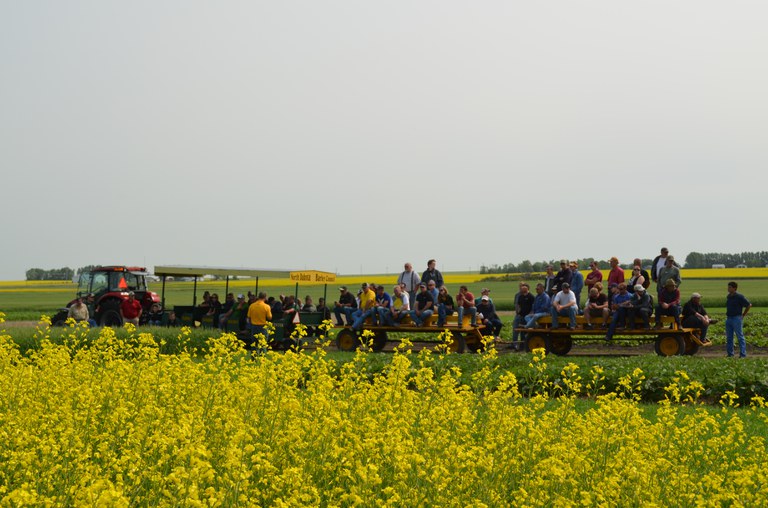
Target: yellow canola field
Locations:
point(117, 424)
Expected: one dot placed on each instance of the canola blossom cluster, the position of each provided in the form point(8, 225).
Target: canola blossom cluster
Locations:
point(112, 422)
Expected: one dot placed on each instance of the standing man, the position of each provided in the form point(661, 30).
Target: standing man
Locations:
point(563, 276)
point(658, 263)
point(130, 309)
point(258, 315)
point(432, 274)
point(615, 276)
point(577, 282)
point(736, 309)
point(669, 272)
point(594, 276)
point(523, 308)
point(549, 281)
point(410, 281)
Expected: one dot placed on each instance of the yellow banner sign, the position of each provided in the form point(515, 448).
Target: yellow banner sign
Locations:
point(313, 276)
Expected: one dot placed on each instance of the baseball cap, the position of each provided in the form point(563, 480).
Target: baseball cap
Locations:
point(485, 297)
point(639, 287)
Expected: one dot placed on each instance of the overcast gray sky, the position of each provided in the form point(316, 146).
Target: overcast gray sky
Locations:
point(354, 136)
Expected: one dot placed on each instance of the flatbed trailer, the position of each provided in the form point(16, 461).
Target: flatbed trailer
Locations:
point(670, 339)
point(465, 337)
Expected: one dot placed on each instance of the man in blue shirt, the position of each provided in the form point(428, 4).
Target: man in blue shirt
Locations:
point(541, 307)
point(577, 283)
point(383, 305)
point(736, 309)
point(620, 300)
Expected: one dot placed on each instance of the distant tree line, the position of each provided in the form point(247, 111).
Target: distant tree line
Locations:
point(540, 266)
point(751, 259)
point(65, 273)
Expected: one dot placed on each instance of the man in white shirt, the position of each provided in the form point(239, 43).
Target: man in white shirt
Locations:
point(564, 304)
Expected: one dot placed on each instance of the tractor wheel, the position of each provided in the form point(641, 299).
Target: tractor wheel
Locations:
point(347, 340)
point(536, 341)
point(560, 344)
point(474, 341)
point(458, 345)
point(59, 319)
point(670, 345)
point(691, 346)
point(379, 340)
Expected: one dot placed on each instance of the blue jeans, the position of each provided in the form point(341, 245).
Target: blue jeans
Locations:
point(735, 325)
point(442, 312)
point(360, 316)
point(419, 320)
point(531, 319)
point(673, 311)
point(347, 311)
point(619, 316)
point(518, 322)
point(472, 312)
point(568, 311)
point(493, 326)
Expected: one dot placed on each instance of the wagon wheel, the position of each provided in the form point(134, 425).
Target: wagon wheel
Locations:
point(474, 341)
point(458, 345)
point(670, 345)
point(536, 341)
point(560, 344)
point(379, 340)
point(691, 346)
point(347, 340)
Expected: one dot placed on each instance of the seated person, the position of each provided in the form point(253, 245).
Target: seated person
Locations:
point(172, 319)
point(542, 306)
point(523, 307)
point(346, 305)
point(424, 306)
point(669, 303)
point(383, 305)
point(234, 311)
point(321, 307)
point(597, 306)
point(398, 310)
point(564, 304)
point(445, 305)
point(639, 305)
point(695, 316)
point(79, 312)
point(155, 316)
point(202, 309)
point(290, 315)
point(465, 302)
point(308, 305)
point(366, 308)
point(214, 309)
point(486, 312)
point(620, 301)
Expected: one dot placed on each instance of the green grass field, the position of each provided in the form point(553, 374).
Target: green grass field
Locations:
point(27, 301)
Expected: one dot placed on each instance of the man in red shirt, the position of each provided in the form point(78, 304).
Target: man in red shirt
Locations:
point(130, 310)
point(615, 276)
point(594, 276)
point(466, 303)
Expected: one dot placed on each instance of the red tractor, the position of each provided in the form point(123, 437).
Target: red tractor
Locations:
point(109, 286)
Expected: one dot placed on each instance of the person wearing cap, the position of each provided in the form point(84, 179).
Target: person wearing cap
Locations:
point(486, 313)
point(465, 302)
point(424, 306)
point(346, 305)
point(483, 292)
point(130, 309)
point(621, 300)
point(432, 274)
point(640, 305)
point(564, 304)
point(564, 275)
point(736, 308)
point(669, 302)
point(79, 312)
point(542, 306)
point(366, 308)
point(695, 316)
point(669, 272)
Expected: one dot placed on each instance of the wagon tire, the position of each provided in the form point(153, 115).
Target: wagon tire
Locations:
point(670, 345)
point(691, 346)
point(347, 340)
point(379, 340)
point(474, 341)
point(560, 344)
point(457, 345)
point(536, 341)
